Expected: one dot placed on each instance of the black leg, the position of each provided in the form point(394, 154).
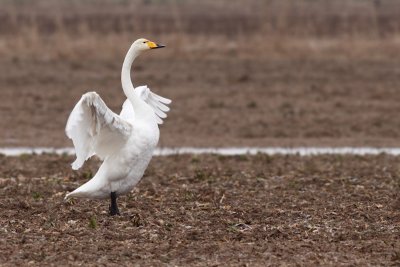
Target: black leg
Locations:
point(113, 207)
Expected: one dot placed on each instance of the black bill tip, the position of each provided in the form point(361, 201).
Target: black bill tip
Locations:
point(159, 46)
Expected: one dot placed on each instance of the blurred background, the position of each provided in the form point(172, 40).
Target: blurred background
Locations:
point(239, 72)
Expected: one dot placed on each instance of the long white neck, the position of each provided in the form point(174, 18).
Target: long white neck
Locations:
point(139, 106)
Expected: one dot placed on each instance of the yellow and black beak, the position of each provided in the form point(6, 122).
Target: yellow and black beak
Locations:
point(153, 45)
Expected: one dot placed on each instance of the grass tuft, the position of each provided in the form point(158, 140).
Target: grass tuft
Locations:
point(92, 222)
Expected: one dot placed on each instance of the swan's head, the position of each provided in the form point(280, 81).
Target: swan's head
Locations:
point(144, 45)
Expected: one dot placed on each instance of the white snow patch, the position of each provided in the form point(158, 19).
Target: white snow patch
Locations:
point(165, 151)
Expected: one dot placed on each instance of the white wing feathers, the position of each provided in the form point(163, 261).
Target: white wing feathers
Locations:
point(95, 129)
point(156, 102)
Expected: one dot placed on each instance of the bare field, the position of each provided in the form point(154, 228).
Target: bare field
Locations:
point(234, 84)
point(216, 102)
point(206, 210)
point(267, 73)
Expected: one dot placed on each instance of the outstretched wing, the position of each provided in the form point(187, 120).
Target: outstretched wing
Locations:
point(156, 102)
point(95, 129)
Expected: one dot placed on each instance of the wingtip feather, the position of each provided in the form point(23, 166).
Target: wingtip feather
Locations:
point(76, 164)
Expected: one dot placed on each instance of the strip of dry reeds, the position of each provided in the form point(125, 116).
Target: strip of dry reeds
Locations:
point(72, 30)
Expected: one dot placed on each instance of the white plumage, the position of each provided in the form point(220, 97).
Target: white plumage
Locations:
point(158, 103)
point(95, 129)
point(124, 142)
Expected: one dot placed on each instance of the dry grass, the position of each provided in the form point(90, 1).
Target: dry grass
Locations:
point(291, 29)
point(60, 46)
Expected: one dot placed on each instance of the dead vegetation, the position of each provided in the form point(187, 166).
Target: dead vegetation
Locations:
point(71, 31)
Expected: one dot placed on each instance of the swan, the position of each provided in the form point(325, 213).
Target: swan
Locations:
point(124, 142)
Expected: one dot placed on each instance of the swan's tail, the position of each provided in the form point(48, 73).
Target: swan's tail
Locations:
point(77, 193)
point(93, 189)
point(73, 194)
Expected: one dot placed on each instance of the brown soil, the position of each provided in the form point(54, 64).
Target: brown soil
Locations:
point(206, 210)
point(216, 102)
point(265, 75)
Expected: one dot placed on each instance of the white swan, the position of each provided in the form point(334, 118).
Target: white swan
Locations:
point(124, 142)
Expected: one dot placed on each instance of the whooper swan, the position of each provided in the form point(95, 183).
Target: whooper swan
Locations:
point(124, 142)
